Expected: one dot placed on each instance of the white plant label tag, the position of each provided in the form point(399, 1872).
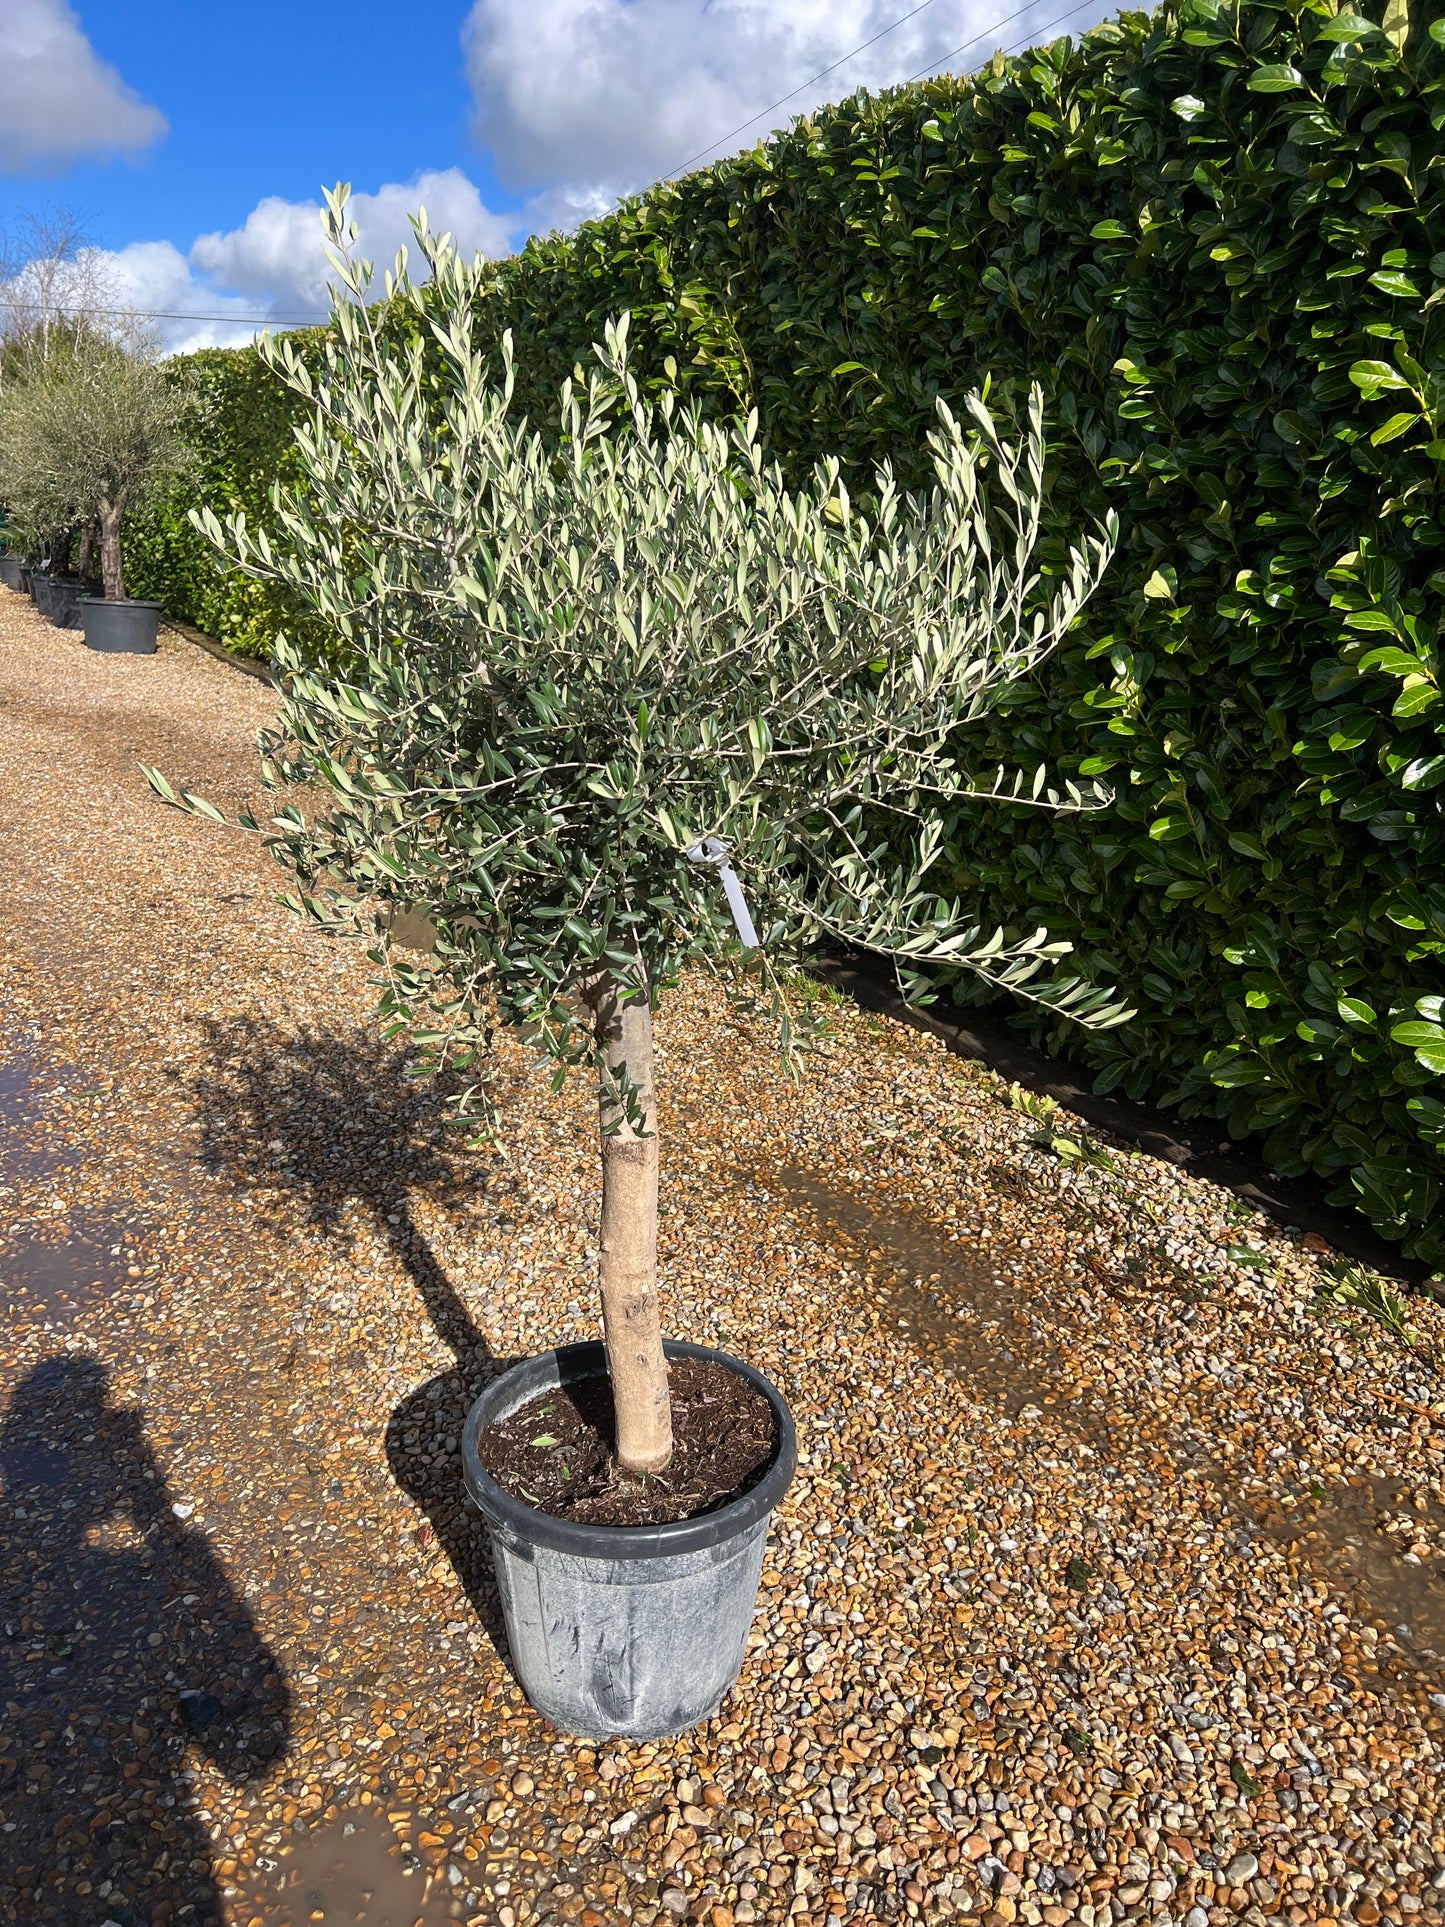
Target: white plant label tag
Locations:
point(714, 850)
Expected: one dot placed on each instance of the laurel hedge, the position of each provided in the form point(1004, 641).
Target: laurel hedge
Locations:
point(244, 442)
point(1217, 234)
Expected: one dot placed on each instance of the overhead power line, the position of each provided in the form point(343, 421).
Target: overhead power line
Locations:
point(1057, 20)
point(166, 314)
point(1083, 6)
point(933, 65)
point(802, 87)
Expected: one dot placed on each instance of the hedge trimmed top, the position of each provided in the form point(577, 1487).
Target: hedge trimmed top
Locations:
point(1217, 235)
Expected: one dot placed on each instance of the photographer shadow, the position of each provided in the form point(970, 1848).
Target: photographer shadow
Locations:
point(332, 1121)
point(126, 1653)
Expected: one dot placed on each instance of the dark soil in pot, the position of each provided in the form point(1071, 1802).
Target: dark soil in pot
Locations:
point(557, 1451)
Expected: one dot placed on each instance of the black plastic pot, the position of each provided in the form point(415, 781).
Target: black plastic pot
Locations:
point(635, 1630)
point(10, 571)
point(40, 588)
point(63, 597)
point(120, 628)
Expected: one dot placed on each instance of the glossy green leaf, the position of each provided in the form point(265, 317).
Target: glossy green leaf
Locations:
point(1376, 375)
point(1416, 699)
point(1390, 281)
point(1393, 429)
point(1346, 26)
point(1355, 1010)
point(1418, 1036)
point(1278, 79)
point(1423, 773)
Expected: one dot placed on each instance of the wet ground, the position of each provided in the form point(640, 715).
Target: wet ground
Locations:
point(944, 1299)
point(1109, 1589)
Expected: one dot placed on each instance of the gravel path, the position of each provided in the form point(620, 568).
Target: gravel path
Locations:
point(1107, 1591)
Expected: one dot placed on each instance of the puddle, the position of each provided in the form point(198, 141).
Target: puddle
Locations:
point(355, 1871)
point(53, 1269)
point(32, 1470)
point(19, 1109)
point(16, 1084)
point(57, 1280)
point(923, 1281)
point(1346, 1527)
point(27, 1157)
point(914, 1265)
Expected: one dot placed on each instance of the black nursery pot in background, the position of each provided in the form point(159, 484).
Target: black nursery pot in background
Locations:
point(64, 597)
point(120, 628)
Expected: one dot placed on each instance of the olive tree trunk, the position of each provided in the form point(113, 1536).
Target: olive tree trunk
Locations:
point(628, 1242)
point(110, 565)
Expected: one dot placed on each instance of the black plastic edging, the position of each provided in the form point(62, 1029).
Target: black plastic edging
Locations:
point(247, 665)
point(1298, 1203)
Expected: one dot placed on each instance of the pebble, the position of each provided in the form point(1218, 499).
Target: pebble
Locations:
point(1095, 1566)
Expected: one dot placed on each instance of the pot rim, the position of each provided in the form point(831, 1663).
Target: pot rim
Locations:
point(565, 1364)
point(120, 602)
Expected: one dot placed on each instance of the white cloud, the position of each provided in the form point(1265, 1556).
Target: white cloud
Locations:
point(148, 277)
point(584, 100)
point(272, 271)
point(60, 103)
point(278, 253)
point(154, 278)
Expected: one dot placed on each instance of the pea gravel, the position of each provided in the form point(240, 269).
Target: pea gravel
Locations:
point(1108, 1590)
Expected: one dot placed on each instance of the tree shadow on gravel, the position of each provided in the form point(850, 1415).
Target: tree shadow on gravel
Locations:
point(124, 1648)
point(328, 1121)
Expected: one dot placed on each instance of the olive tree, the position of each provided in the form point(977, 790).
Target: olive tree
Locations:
point(41, 507)
point(91, 434)
point(39, 520)
point(612, 697)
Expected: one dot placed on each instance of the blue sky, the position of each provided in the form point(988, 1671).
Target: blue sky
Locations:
point(273, 97)
point(193, 141)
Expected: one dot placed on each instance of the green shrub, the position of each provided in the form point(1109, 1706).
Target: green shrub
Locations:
point(1217, 234)
point(244, 442)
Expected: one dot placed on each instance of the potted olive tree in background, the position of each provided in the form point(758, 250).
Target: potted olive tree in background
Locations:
point(35, 540)
point(56, 298)
point(95, 434)
point(40, 521)
point(39, 514)
point(603, 701)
